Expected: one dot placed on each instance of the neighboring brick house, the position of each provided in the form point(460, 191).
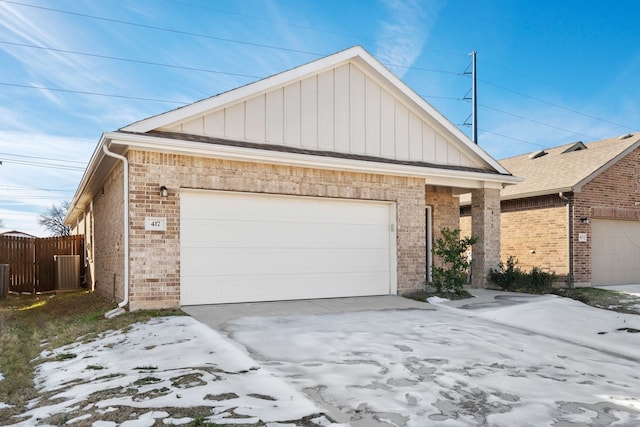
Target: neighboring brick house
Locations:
point(323, 181)
point(577, 213)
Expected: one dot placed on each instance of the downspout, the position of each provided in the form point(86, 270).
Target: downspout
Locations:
point(569, 201)
point(120, 309)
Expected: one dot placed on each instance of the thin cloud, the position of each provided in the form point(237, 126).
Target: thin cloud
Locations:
point(404, 33)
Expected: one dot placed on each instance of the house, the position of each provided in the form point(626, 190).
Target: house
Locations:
point(16, 233)
point(327, 180)
point(577, 213)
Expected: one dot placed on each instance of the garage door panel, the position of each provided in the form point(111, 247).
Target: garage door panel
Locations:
point(281, 234)
point(229, 289)
point(274, 208)
point(615, 252)
point(223, 261)
point(238, 247)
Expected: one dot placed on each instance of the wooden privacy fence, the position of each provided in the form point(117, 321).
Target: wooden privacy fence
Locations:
point(31, 261)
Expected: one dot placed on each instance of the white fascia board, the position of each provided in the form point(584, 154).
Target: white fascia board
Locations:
point(424, 105)
point(449, 177)
point(601, 169)
point(278, 80)
point(243, 92)
point(540, 193)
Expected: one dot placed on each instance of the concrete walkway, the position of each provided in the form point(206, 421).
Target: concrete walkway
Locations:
point(628, 289)
point(216, 315)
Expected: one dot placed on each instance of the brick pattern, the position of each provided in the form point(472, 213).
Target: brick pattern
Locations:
point(611, 194)
point(537, 238)
point(540, 224)
point(155, 256)
point(108, 249)
point(444, 214)
point(485, 225)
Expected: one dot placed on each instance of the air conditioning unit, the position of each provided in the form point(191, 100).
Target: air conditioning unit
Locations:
point(67, 272)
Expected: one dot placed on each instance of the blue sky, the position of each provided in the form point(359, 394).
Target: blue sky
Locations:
point(549, 72)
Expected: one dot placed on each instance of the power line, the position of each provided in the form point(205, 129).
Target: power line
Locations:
point(512, 137)
point(556, 105)
point(136, 61)
point(188, 33)
point(168, 30)
point(93, 93)
point(42, 158)
point(22, 188)
point(43, 165)
point(538, 122)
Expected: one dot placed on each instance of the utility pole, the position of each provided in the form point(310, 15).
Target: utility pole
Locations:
point(474, 98)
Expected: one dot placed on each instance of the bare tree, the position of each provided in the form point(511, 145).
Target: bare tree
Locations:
point(53, 219)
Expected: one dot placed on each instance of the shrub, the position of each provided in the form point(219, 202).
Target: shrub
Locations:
point(509, 277)
point(452, 276)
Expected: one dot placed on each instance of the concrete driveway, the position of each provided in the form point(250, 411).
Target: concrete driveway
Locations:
point(389, 361)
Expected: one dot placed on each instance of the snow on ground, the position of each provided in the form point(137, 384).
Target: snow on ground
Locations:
point(166, 362)
point(458, 367)
point(573, 321)
point(545, 361)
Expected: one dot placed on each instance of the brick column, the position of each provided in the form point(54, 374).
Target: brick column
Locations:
point(485, 225)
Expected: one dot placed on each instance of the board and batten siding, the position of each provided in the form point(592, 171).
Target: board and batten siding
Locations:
point(342, 110)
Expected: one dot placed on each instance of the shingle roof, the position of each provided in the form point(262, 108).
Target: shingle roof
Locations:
point(564, 168)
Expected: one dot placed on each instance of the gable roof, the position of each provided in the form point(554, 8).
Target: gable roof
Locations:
point(565, 168)
point(346, 103)
point(16, 233)
point(342, 112)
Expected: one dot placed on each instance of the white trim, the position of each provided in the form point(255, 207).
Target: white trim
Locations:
point(436, 176)
point(578, 187)
point(356, 54)
point(429, 241)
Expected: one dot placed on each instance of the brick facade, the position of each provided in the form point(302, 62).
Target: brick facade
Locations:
point(108, 241)
point(611, 195)
point(155, 256)
point(536, 230)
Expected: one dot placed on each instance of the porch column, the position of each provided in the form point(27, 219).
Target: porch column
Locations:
point(485, 225)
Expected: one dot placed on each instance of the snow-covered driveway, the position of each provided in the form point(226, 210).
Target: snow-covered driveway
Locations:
point(499, 366)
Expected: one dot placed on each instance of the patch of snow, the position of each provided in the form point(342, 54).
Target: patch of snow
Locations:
point(80, 418)
point(572, 321)
point(177, 347)
point(4, 405)
point(104, 424)
point(437, 300)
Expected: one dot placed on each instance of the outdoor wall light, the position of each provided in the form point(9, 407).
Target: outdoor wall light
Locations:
point(584, 220)
point(164, 192)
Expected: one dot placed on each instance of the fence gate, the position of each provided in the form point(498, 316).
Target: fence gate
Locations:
point(31, 261)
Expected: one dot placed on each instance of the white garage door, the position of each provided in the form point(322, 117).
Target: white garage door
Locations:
point(615, 252)
point(240, 247)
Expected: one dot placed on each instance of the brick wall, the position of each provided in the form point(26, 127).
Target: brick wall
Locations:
point(540, 224)
point(611, 195)
point(534, 231)
point(537, 238)
point(445, 212)
point(108, 249)
point(155, 257)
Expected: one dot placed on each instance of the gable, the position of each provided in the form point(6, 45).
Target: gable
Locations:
point(346, 103)
point(341, 109)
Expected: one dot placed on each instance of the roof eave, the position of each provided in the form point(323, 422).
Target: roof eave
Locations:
point(253, 154)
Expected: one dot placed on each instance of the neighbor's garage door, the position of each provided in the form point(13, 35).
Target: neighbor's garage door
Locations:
point(615, 252)
point(239, 247)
